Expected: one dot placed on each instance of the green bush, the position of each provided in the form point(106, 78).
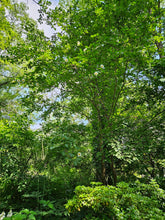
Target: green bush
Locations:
point(126, 201)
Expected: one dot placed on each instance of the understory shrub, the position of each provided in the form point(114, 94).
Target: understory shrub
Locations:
point(126, 201)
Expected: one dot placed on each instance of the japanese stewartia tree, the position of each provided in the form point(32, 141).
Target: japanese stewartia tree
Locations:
point(99, 59)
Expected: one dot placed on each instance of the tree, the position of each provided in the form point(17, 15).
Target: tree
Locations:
point(145, 129)
point(98, 59)
point(17, 141)
point(17, 153)
point(13, 19)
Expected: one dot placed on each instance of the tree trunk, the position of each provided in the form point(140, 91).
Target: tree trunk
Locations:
point(104, 166)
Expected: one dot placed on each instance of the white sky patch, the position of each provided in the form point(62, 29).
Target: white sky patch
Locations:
point(36, 126)
point(52, 95)
point(33, 13)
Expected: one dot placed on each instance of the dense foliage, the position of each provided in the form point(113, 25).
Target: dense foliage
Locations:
point(97, 89)
point(126, 201)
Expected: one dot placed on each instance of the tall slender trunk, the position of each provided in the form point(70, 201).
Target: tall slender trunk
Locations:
point(104, 166)
point(113, 171)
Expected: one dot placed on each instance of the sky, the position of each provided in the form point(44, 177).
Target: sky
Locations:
point(33, 13)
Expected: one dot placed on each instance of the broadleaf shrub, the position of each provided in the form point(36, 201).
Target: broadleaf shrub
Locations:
point(126, 201)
